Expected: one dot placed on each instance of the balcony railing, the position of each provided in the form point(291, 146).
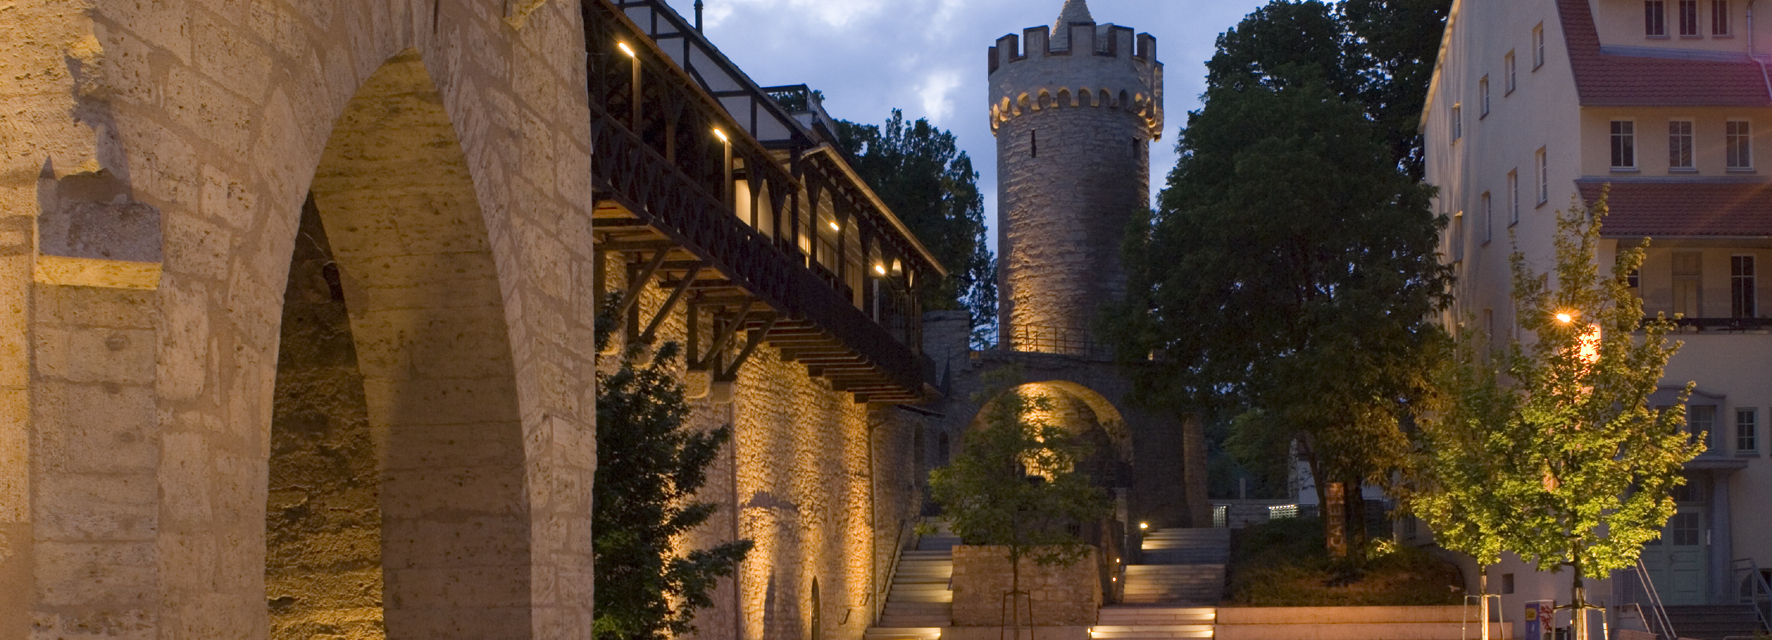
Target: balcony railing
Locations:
point(1068, 341)
point(677, 176)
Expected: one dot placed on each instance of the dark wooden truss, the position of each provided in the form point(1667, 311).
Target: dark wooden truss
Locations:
point(666, 202)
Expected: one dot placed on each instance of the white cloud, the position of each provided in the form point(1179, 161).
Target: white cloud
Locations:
point(834, 13)
point(936, 93)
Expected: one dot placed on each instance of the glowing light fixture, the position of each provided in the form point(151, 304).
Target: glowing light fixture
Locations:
point(835, 226)
point(627, 50)
point(1144, 525)
point(721, 135)
point(880, 269)
point(1565, 317)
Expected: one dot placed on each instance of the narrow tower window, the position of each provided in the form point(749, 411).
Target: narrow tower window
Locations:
point(1034, 143)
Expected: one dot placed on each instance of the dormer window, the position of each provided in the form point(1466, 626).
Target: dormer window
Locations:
point(1655, 18)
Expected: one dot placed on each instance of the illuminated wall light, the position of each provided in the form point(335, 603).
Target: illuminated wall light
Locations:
point(721, 135)
point(1565, 317)
point(835, 226)
point(880, 269)
point(1144, 525)
point(627, 50)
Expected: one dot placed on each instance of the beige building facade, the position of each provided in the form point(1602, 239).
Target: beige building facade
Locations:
point(1539, 104)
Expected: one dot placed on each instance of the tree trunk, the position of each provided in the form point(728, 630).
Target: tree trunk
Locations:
point(1355, 499)
point(1578, 602)
point(1194, 472)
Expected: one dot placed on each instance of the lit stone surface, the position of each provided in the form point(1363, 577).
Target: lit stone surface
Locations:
point(1060, 595)
point(134, 449)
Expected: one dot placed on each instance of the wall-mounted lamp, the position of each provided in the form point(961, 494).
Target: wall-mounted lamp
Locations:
point(835, 226)
point(1565, 317)
point(721, 135)
point(880, 269)
point(627, 50)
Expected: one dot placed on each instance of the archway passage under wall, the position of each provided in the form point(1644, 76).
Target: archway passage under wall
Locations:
point(1086, 414)
point(446, 510)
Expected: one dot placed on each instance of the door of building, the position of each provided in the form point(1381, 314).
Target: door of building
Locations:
point(1676, 562)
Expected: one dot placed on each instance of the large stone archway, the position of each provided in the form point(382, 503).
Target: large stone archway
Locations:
point(165, 150)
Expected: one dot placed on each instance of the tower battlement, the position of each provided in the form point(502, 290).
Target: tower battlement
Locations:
point(1089, 65)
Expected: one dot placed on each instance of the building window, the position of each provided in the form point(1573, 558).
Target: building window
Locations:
point(1489, 326)
point(1507, 584)
point(1688, 18)
point(1701, 421)
point(1747, 431)
point(1655, 18)
point(1688, 277)
point(1513, 79)
point(1543, 177)
point(1513, 190)
point(1034, 143)
point(1483, 89)
point(1458, 237)
point(1743, 302)
point(1719, 18)
point(1488, 219)
point(1684, 529)
point(1538, 46)
point(1457, 122)
point(1634, 279)
point(1624, 145)
point(1739, 140)
point(1679, 146)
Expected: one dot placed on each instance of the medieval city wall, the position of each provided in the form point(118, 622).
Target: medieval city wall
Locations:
point(826, 488)
point(157, 156)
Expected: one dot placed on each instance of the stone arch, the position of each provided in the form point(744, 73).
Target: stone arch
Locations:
point(1064, 98)
point(1045, 101)
point(1085, 413)
point(445, 503)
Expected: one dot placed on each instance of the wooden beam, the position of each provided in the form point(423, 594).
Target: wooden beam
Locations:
point(636, 285)
point(725, 336)
point(756, 338)
point(670, 304)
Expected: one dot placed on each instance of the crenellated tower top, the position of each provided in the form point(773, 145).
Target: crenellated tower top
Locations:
point(1077, 63)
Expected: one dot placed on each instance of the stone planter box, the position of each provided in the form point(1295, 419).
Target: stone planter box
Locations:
point(1062, 596)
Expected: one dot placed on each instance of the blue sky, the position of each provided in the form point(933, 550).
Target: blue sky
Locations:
point(928, 57)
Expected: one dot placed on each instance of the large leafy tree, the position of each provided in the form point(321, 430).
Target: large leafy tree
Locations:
point(649, 468)
point(1576, 466)
point(1016, 484)
point(1291, 268)
point(920, 172)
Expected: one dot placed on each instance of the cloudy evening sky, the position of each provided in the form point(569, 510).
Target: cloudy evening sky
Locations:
point(928, 57)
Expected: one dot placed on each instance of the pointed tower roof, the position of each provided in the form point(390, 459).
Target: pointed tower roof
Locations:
point(1074, 11)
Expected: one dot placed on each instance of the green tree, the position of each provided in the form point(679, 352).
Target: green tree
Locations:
point(1580, 466)
point(1379, 53)
point(919, 171)
point(649, 467)
point(1015, 483)
point(1291, 268)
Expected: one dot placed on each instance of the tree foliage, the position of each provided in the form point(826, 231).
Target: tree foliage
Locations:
point(1015, 483)
point(1378, 53)
point(919, 171)
point(649, 469)
point(1554, 452)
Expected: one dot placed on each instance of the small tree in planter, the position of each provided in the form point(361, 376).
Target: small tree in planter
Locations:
point(1556, 454)
point(1014, 486)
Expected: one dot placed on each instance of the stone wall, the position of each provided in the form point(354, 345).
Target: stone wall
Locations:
point(1061, 595)
point(165, 148)
point(825, 487)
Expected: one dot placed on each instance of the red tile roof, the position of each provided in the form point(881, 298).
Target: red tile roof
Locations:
point(1684, 209)
point(1615, 80)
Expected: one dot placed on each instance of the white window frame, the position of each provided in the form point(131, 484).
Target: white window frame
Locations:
point(1457, 121)
point(1722, 19)
point(1511, 67)
point(1543, 166)
point(1688, 9)
point(1458, 233)
point(1751, 432)
point(1655, 19)
point(1678, 141)
point(1483, 89)
point(1513, 189)
point(1623, 130)
point(1538, 46)
point(1752, 280)
point(1730, 139)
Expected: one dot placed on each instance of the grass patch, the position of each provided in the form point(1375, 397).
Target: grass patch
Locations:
point(1283, 564)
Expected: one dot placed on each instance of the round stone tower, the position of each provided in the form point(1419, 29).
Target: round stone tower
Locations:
point(1075, 107)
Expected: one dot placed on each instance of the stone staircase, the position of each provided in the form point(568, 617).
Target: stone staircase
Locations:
point(1714, 622)
point(1143, 622)
point(1182, 567)
point(921, 601)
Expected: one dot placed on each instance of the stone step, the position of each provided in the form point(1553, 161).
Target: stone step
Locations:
point(903, 633)
point(914, 622)
point(1141, 632)
point(1124, 615)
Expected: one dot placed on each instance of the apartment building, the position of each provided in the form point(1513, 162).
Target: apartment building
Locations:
point(1538, 103)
